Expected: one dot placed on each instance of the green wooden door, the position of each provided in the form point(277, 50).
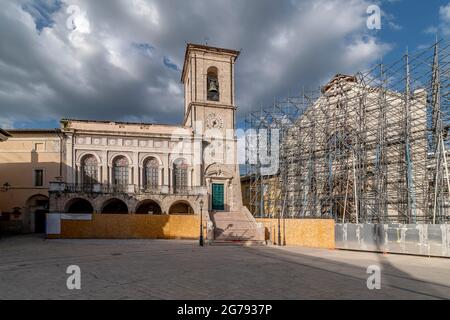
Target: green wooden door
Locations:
point(218, 197)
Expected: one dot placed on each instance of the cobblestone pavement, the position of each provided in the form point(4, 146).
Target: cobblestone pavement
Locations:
point(31, 268)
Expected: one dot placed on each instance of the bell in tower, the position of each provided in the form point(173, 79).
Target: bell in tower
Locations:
point(213, 88)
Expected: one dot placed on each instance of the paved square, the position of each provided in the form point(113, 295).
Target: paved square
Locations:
point(31, 268)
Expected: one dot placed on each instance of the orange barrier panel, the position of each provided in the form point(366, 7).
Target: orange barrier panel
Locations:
point(110, 226)
point(301, 232)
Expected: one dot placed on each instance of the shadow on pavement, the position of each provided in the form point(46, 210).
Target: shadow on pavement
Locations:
point(392, 278)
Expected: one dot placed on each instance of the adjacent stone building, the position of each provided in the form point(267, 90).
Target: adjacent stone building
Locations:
point(29, 161)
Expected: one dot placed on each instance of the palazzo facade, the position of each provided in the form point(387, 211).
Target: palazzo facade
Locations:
point(118, 167)
point(91, 167)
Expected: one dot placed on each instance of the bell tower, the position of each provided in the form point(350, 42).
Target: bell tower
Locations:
point(208, 79)
point(210, 110)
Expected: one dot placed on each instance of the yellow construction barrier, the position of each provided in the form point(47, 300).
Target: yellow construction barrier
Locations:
point(132, 226)
point(301, 232)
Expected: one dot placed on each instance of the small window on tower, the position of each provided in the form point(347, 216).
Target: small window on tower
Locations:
point(213, 84)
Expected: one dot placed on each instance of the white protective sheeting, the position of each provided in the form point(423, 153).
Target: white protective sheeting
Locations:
point(76, 216)
point(53, 223)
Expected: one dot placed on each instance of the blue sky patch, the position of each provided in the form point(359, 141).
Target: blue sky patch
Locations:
point(42, 11)
point(36, 124)
point(145, 48)
point(169, 64)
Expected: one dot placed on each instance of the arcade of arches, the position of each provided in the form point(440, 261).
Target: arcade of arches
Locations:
point(149, 207)
point(117, 206)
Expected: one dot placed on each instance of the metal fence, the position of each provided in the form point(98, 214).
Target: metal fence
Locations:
point(417, 239)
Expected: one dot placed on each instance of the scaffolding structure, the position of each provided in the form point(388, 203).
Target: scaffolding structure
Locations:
point(369, 148)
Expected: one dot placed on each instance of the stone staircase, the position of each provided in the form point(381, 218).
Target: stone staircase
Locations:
point(237, 228)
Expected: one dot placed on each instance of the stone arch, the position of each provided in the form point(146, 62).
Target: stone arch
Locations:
point(114, 206)
point(149, 156)
point(181, 207)
point(35, 199)
point(149, 206)
point(115, 155)
point(84, 154)
point(175, 158)
point(213, 70)
point(37, 207)
point(79, 205)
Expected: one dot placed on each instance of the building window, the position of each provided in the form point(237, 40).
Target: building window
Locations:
point(120, 172)
point(213, 84)
point(180, 174)
point(89, 170)
point(39, 178)
point(151, 173)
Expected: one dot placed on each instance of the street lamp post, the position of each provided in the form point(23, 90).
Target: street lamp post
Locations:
point(202, 242)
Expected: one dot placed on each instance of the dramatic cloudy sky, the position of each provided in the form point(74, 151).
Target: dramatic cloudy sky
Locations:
point(121, 59)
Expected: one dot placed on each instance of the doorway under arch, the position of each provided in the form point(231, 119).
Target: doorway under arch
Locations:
point(149, 207)
point(37, 207)
point(80, 206)
point(115, 206)
point(181, 208)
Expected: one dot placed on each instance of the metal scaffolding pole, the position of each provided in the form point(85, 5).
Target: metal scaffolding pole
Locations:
point(369, 148)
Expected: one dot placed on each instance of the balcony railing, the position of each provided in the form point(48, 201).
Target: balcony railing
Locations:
point(155, 190)
point(189, 191)
point(125, 189)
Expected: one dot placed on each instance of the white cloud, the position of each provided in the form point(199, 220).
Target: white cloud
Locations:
point(444, 12)
point(444, 22)
point(6, 123)
point(112, 66)
point(147, 10)
point(431, 30)
point(174, 88)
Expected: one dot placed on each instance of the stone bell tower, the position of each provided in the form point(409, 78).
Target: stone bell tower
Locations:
point(210, 109)
point(208, 78)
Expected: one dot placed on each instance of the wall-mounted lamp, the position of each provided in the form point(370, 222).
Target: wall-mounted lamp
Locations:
point(6, 187)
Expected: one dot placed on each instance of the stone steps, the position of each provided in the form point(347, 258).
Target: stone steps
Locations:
point(231, 228)
point(236, 234)
point(249, 243)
